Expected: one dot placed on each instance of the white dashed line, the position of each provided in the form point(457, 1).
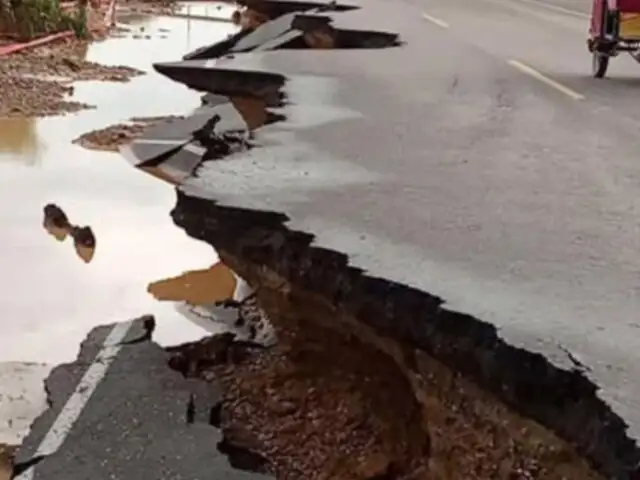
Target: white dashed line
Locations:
point(532, 72)
point(437, 21)
point(557, 8)
point(79, 398)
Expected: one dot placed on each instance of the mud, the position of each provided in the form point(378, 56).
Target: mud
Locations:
point(6, 461)
point(111, 138)
point(37, 82)
point(31, 97)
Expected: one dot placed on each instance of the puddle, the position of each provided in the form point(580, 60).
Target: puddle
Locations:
point(19, 141)
point(51, 298)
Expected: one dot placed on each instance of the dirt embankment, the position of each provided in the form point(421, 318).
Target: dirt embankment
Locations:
point(347, 393)
point(38, 82)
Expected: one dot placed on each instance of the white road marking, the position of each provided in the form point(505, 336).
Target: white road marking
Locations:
point(79, 398)
point(556, 8)
point(532, 72)
point(437, 21)
point(158, 141)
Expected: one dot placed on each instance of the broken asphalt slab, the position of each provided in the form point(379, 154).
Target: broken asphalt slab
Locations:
point(134, 424)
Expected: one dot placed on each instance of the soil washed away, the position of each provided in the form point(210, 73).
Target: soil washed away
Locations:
point(353, 412)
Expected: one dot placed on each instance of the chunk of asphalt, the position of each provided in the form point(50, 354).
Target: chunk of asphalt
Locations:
point(133, 425)
point(169, 138)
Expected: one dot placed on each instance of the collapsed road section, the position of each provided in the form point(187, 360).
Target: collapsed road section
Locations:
point(374, 170)
point(356, 187)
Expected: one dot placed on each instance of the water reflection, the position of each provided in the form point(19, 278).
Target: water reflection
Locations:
point(217, 299)
point(58, 226)
point(138, 240)
point(19, 140)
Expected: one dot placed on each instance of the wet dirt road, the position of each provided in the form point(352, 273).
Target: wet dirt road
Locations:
point(49, 297)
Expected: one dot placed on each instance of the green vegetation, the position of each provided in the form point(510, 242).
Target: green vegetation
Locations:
point(27, 19)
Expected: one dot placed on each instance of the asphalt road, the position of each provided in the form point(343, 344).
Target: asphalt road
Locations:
point(119, 413)
point(479, 162)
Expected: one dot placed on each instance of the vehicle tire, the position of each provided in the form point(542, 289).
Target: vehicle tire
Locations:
point(599, 65)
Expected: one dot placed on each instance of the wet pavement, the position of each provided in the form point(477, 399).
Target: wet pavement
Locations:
point(50, 298)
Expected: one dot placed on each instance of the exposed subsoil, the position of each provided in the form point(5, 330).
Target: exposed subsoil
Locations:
point(352, 411)
point(37, 82)
point(6, 461)
point(111, 138)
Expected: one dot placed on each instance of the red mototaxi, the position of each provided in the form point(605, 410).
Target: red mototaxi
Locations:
point(615, 28)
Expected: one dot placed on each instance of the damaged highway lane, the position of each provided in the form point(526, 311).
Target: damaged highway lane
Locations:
point(450, 283)
point(397, 179)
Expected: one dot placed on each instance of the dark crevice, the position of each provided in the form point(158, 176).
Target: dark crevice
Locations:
point(190, 359)
point(564, 401)
point(21, 467)
point(215, 414)
point(242, 458)
point(190, 415)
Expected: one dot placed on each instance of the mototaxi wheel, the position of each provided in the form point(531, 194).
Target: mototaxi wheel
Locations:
point(599, 64)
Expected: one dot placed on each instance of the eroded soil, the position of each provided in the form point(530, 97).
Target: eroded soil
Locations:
point(38, 82)
point(111, 138)
point(328, 404)
point(6, 461)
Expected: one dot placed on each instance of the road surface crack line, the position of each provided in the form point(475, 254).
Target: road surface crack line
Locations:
point(80, 397)
point(532, 72)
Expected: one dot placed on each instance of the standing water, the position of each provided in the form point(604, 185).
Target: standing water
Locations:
point(49, 298)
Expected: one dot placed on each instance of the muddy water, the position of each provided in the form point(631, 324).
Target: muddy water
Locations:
point(49, 297)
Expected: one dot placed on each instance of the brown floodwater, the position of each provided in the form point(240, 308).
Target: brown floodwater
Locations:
point(50, 297)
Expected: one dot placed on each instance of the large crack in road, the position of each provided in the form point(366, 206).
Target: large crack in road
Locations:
point(370, 378)
point(444, 395)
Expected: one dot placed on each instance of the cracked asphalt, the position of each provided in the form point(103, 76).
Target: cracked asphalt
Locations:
point(480, 162)
point(133, 425)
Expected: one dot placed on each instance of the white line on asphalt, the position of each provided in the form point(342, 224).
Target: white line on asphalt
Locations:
point(79, 398)
point(557, 8)
point(437, 21)
point(532, 72)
